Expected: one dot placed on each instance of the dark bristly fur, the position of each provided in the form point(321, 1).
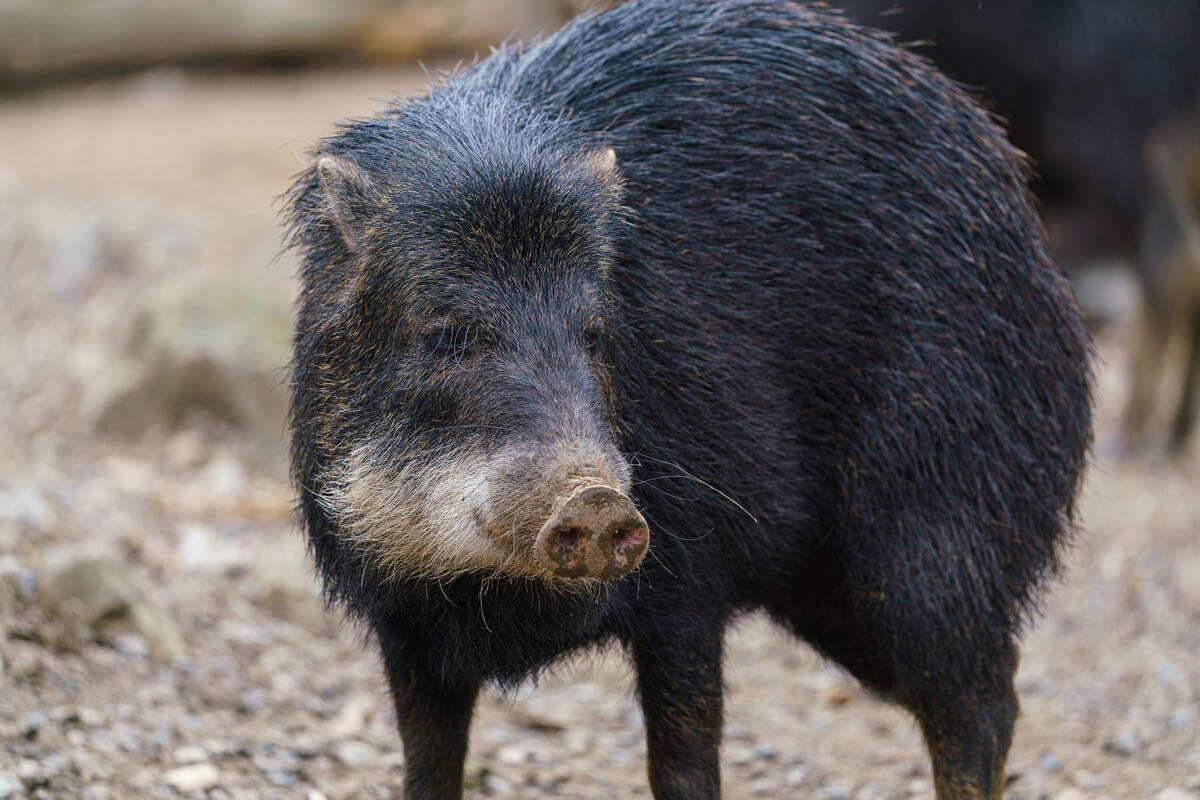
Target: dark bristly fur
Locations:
point(826, 333)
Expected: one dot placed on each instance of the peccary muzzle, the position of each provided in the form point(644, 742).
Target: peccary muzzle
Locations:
point(596, 532)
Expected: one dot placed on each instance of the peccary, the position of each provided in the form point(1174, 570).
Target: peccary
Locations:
point(1105, 95)
point(735, 286)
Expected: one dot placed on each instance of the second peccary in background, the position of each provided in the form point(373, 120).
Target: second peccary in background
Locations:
point(734, 286)
point(1105, 95)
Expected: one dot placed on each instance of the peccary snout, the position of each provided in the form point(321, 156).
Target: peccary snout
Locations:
point(595, 533)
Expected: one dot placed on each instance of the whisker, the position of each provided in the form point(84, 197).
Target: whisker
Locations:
point(702, 482)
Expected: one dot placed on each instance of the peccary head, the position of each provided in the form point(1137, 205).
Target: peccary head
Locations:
point(453, 406)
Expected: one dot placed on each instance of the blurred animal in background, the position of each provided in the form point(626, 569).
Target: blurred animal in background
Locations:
point(1104, 95)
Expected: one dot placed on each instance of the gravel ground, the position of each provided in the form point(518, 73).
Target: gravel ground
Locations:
point(160, 634)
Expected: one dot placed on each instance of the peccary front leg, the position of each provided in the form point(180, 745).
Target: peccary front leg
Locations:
point(679, 682)
point(434, 717)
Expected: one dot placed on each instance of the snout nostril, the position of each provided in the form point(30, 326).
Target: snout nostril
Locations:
point(626, 542)
point(567, 545)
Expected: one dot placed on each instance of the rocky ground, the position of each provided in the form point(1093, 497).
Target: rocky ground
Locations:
point(160, 634)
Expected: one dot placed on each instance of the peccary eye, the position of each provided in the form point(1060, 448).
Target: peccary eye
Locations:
point(451, 340)
point(593, 340)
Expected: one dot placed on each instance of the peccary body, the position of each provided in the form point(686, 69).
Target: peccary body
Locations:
point(1105, 96)
point(733, 285)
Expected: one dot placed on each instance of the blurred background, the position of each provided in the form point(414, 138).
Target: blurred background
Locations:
point(160, 631)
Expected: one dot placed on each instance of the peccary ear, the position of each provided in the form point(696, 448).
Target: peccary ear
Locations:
point(348, 195)
point(602, 163)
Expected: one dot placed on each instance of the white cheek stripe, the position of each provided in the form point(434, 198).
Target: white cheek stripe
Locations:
point(412, 522)
point(434, 521)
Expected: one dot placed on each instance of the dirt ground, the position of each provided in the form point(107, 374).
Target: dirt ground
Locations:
point(214, 670)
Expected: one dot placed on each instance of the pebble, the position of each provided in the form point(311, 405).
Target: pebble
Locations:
point(315, 794)
point(512, 755)
point(796, 775)
point(280, 777)
point(1126, 743)
point(1049, 762)
point(191, 754)
point(1180, 718)
point(1071, 794)
point(34, 721)
point(1174, 793)
point(765, 751)
point(252, 700)
point(354, 752)
point(193, 777)
point(8, 786)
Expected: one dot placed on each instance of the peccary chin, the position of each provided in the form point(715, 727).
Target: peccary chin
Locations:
point(482, 284)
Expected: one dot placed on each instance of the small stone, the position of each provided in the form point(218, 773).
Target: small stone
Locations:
point(131, 645)
point(918, 787)
point(351, 718)
point(315, 794)
point(1126, 743)
point(837, 695)
point(1071, 794)
point(1087, 780)
point(280, 777)
point(1049, 763)
point(765, 751)
point(193, 777)
point(251, 700)
point(8, 787)
point(497, 784)
point(512, 755)
point(1180, 718)
point(535, 717)
point(354, 752)
point(1174, 793)
point(89, 717)
point(796, 775)
point(832, 791)
point(34, 721)
point(192, 754)
point(764, 787)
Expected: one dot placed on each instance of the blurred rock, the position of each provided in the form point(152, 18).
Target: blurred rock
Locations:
point(410, 28)
point(107, 598)
point(1049, 762)
point(202, 351)
point(27, 507)
point(1126, 743)
point(537, 715)
point(8, 787)
point(1071, 794)
point(193, 777)
point(351, 718)
point(354, 752)
point(202, 549)
point(56, 37)
point(190, 755)
point(1174, 793)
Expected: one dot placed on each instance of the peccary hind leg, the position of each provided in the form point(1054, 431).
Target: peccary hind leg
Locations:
point(966, 711)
